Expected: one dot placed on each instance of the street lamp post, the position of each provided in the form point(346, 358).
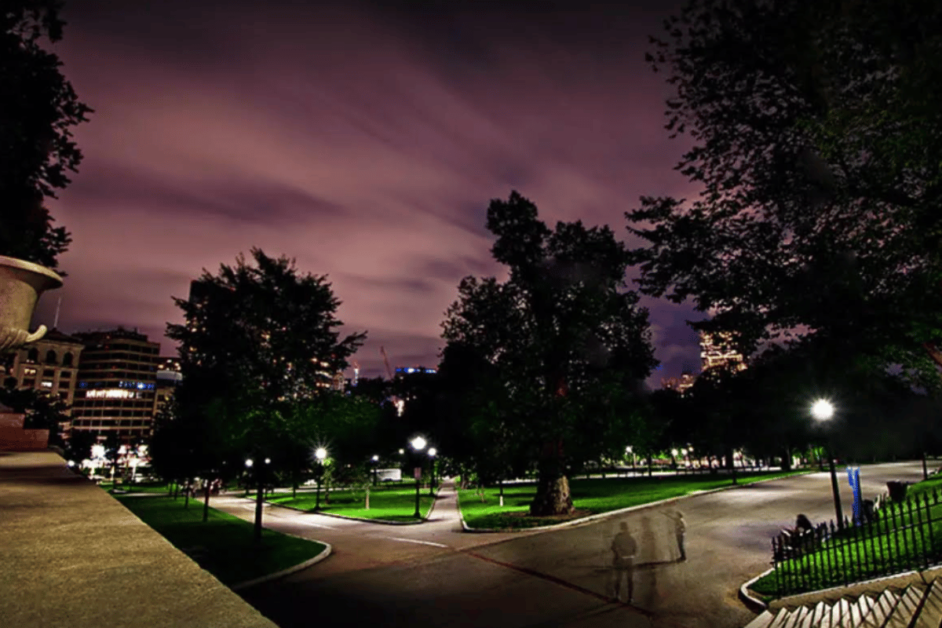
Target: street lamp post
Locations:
point(375, 470)
point(418, 444)
point(320, 453)
point(822, 411)
point(431, 485)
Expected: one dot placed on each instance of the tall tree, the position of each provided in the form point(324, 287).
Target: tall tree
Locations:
point(37, 108)
point(818, 149)
point(562, 320)
point(259, 339)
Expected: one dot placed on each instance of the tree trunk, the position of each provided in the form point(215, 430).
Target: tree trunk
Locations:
point(206, 503)
point(186, 494)
point(553, 496)
point(259, 498)
point(650, 466)
point(786, 460)
point(500, 484)
point(367, 496)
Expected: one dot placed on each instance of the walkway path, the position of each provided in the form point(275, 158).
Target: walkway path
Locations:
point(432, 576)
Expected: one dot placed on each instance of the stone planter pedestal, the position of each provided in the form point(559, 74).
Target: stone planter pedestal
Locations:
point(21, 284)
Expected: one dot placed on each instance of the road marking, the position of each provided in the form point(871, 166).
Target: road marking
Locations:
point(393, 538)
point(310, 523)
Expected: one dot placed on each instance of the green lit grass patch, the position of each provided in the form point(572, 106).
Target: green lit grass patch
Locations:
point(864, 552)
point(387, 503)
point(590, 497)
point(223, 545)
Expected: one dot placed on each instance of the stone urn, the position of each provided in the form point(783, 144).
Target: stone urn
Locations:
point(21, 283)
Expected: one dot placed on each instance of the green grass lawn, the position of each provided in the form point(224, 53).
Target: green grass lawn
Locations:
point(864, 552)
point(142, 487)
point(223, 545)
point(589, 497)
point(388, 503)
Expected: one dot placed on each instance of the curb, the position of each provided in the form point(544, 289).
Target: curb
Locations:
point(290, 570)
point(754, 604)
point(836, 593)
point(620, 511)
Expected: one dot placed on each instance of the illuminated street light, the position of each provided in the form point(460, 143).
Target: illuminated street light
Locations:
point(248, 463)
point(418, 444)
point(629, 449)
point(320, 453)
point(431, 454)
point(375, 458)
point(822, 410)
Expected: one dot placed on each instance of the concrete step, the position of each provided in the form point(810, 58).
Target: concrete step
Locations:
point(821, 610)
point(762, 621)
point(780, 618)
point(839, 610)
point(797, 616)
point(809, 619)
point(930, 616)
point(904, 612)
point(864, 604)
point(881, 609)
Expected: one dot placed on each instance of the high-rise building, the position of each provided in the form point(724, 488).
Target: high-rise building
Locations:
point(717, 350)
point(117, 382)
point(49, 365)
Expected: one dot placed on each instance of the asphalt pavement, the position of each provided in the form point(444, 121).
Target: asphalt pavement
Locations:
point(434, 575)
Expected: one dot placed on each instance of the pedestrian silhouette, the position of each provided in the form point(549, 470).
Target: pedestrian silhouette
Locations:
point(680, 528)
point(803, 524)
point(624, 549)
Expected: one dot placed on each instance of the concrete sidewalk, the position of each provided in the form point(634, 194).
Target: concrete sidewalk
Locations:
point(74, 557)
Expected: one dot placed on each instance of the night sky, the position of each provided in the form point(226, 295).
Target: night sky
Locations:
point(365, 140)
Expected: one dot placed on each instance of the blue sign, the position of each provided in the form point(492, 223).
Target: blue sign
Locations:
point(853, 476)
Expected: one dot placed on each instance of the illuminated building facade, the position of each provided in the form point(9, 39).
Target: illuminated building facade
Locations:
point(117, 383)
point(717, 350)
point(49, 365)
point(681, 384)
point(169, 376)
point(415, 370)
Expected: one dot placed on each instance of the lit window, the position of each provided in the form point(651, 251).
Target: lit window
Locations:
point(46, 384)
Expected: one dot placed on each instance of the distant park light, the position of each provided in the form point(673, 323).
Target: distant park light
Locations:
point(822, 410)
point(248, 463)
point(321, 453)
point(432, 451)
point(418, 443)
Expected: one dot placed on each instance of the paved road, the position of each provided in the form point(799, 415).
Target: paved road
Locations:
point(433, 576)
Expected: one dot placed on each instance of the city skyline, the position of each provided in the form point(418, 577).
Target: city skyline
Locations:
point(365, 142)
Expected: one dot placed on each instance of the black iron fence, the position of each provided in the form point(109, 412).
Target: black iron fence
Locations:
point(894, 537)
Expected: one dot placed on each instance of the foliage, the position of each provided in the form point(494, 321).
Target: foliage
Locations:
point(819, 154)
point(38, 108)
point(567, 342)
point(42, 410)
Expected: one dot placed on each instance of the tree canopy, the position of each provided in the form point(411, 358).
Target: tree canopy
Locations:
point(566, 338)
point(259, 344)
point(818, 149)
point(37, 108)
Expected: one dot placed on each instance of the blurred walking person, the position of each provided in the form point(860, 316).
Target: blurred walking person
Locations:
point(624, 549)
point(680, 529)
